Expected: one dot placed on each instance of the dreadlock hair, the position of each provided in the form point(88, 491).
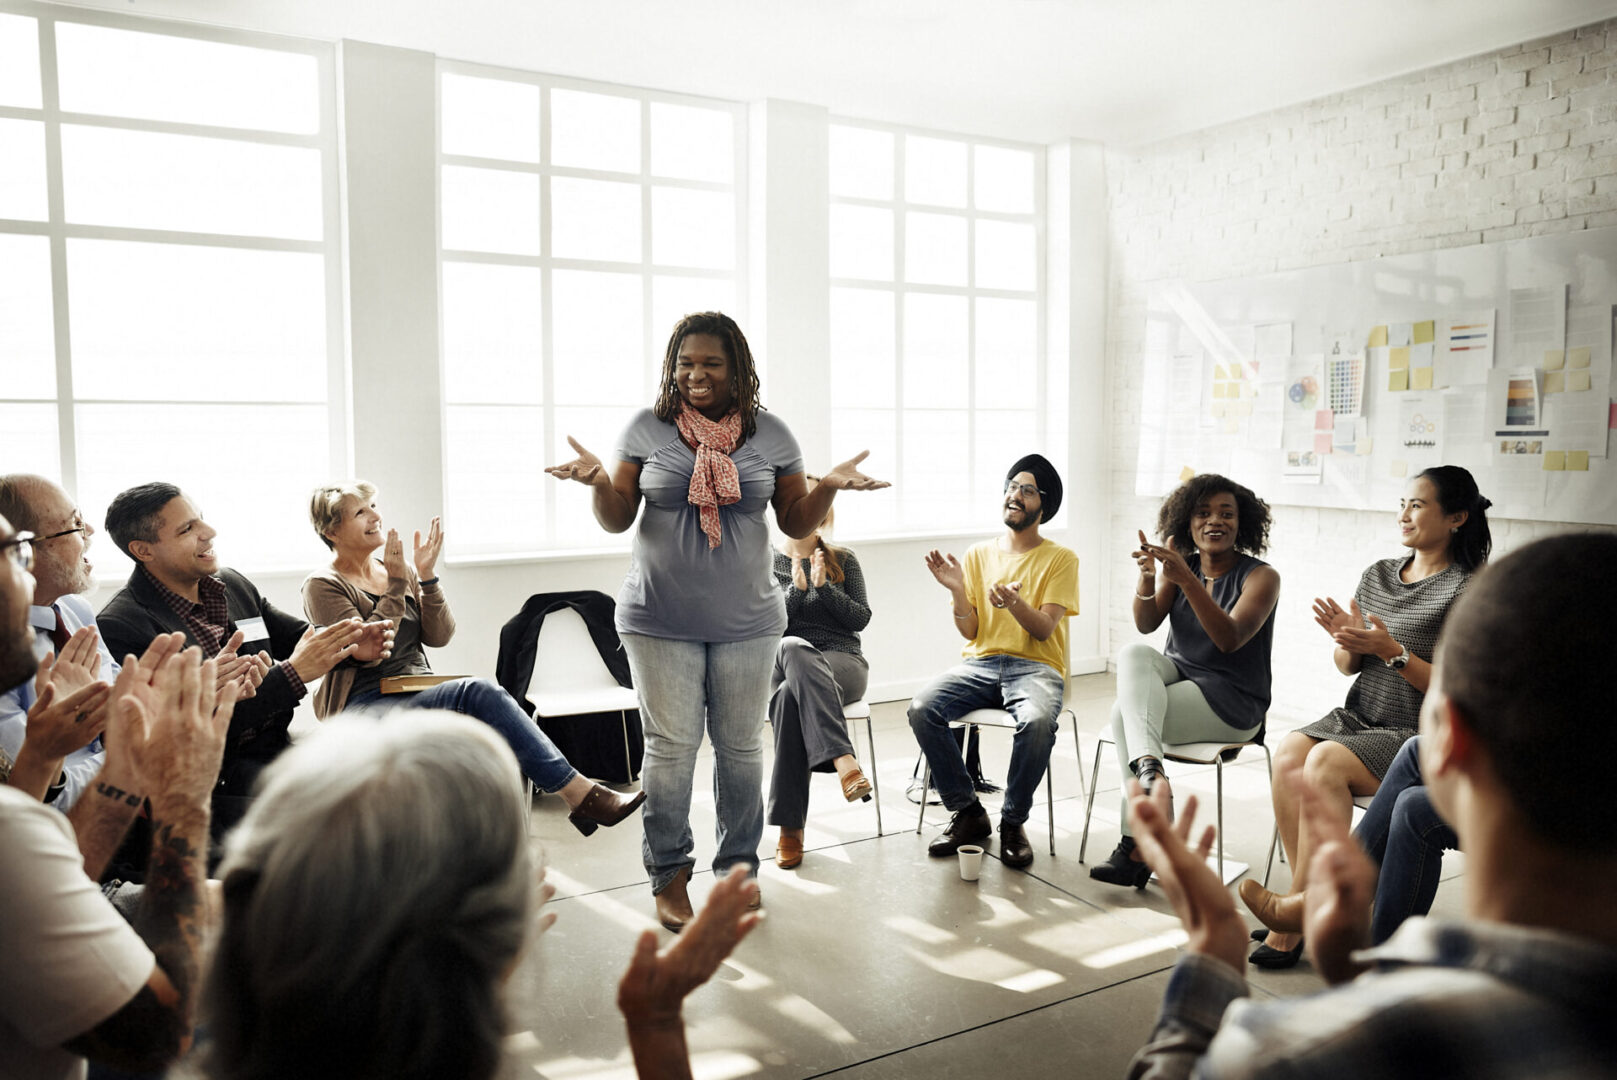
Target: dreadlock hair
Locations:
point(743, 375)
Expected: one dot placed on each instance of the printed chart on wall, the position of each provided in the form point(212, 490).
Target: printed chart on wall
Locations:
point(1331, 386)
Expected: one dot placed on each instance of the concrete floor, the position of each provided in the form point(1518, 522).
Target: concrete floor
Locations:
point(876, 961)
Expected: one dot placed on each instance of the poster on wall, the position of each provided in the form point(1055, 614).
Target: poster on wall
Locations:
point(1465, 353)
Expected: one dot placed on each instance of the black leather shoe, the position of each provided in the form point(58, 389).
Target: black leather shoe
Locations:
point(1120, 869)
point(968, 826)
point(1267, 956)
point(1014, 850)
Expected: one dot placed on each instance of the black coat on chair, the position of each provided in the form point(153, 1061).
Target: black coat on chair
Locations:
point(592, 742)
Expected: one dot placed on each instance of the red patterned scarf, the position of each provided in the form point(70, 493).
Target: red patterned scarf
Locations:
point(715, 482)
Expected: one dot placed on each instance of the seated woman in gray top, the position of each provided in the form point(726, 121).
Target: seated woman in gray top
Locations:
point(818, 670)
point(1385, 638)
point(699, 613)
point(359, 585)
point(1211, 681)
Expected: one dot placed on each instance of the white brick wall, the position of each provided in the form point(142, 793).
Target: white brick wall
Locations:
point(1516, 143)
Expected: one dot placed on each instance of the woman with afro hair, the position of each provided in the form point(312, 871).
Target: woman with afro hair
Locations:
point(1211, 679)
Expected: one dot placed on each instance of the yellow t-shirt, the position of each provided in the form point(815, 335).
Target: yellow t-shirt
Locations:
point(1049, 575)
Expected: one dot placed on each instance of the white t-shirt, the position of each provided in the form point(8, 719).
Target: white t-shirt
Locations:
point(67, 959)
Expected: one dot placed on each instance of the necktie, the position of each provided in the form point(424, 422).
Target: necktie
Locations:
point(59, 635)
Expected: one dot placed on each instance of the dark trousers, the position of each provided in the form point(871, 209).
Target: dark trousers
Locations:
point(807, 692)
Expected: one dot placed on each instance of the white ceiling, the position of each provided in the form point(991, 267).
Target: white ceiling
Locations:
point(1118, 71)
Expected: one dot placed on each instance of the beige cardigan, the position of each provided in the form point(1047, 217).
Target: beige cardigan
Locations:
point(329, 597)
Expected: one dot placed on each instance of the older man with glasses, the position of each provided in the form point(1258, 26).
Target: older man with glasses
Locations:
point(1010, 599)
point(63, 626)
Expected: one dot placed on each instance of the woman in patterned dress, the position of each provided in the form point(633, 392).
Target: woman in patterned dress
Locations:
point(818, 670)
point(1385, 637)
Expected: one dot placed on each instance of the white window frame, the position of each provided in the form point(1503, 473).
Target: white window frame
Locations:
point(898, 205)
point(58, 231)
point(655, 338)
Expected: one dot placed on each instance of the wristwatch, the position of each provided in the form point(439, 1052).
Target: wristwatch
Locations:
point(1398, 662)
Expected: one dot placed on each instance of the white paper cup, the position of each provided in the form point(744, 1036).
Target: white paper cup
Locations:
point(971, 861)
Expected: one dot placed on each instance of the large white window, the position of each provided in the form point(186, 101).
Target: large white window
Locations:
point(169, 293)
point(578, 223)
point(937, 320)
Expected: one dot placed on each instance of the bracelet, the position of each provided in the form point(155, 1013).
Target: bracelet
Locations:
point(967, 615)
point(433, 580)
point(1145, 596)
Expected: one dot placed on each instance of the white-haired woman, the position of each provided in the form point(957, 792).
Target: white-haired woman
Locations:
point(397, 971)
point(359, 585)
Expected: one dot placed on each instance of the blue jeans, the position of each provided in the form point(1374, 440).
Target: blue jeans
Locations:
point(1027, 689)
point(1402, 832)
point(686, 687)
point(483, 700)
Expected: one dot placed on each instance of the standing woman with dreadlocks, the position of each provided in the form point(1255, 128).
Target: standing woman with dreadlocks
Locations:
point(699, 614)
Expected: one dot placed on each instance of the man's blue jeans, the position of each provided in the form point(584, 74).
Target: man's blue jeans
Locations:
point(483, 700)
point(1027, 689)
point(1402, 832)
point(687, 687)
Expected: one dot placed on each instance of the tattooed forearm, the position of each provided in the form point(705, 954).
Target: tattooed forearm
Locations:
point(101, 818)
point(172, 906)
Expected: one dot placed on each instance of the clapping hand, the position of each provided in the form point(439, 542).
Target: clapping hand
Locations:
point(1332, 616)
point(799, 578)
point(653, 989)
point(1199, 898)
point(817, 568)
point(426, 554)
point(1005, 594)
point(393, 556)
point(947, 570)
point(376, 641)
point(61, 720)
point(586, 468)
point(1353, 635)
point(1174, 566)
point(847, 477)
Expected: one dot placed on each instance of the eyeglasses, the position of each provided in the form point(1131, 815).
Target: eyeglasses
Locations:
point(1027, 490)
point(20, 550)
point(79, 528)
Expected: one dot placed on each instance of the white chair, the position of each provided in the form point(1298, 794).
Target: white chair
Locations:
point(1000, 718)
point(569, 677)
point(1197, 753)
point(860, 710)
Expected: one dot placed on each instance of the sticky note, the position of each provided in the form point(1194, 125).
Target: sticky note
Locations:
point(1577, 461)
point(1324, 419)
point(1322, 442)
point(1219, 372)
point(1425, 331)
point(1422, 378)
point(1577, 380)
point(1554, 382)
point(1578, 358)
point(1554, 359)
point(1217, 408)
point(1397, 468)
point(1232, 425)
point(1242, 408)
point(1186, 473)
point(1398, 358)
point(1554, 460)
point(1398, 380)
point(1363, 447)
point(1378, 337)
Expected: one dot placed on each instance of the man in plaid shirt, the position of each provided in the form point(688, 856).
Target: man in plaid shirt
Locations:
point(1526, 984)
